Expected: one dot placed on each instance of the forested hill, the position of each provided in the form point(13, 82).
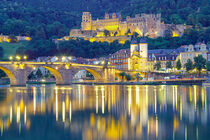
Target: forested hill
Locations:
point(36, 13)
point(44, 20)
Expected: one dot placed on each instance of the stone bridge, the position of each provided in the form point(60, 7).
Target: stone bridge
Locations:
point(63, 72)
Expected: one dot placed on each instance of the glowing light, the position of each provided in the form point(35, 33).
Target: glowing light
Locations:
point(56, 103)
point(96, 88)
point(103, 106)
point(63, 112)
point(70, 112)
point(18, 114)
point(18, 58)
point(25, 115)
point(129, 100)
point(10, 58)
point(63, 58)
point(69, 57)
point(10, 114)
point(25, 57)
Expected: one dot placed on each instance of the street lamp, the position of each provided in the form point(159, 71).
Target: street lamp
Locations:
point(10, 58)
point(63, 58)
point(69, 57)
point(18, 58)
point(25, 57)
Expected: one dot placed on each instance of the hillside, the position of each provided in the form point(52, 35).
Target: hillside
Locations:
point(44, 20)
point(9, 49)
point(30, 15)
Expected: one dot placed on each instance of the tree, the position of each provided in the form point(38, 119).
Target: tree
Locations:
point(138, 77)
point(48, 74)
point(115, 33)
point(157, 66)
point(189, 65)
point(1, 52)
point(31, 76)
point(39, 73)
point(168, 65)
point(2, 74)
point(135, 34)
point(106, 33)
point(178, 65)
point(122, 74)
point(128, 77)
point(128, 32)
point(199, 63)
point(208, 66)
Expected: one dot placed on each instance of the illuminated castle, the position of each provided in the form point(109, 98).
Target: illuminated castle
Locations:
point(113, 27)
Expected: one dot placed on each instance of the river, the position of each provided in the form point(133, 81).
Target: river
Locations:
point(105, 112)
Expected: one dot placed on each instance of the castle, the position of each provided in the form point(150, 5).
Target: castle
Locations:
point(113, 27)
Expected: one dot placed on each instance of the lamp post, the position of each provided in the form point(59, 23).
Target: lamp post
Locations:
point(11, 58)
point(25, 57)
point(18, 58)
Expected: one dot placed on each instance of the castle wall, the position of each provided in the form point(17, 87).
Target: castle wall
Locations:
point(147, 24)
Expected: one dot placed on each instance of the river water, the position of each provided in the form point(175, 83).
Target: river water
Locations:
point(105, 112)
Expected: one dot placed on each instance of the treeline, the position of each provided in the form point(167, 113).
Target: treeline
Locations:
point(79, 48)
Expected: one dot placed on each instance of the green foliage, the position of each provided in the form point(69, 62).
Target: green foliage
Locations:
point(38, 73)
point(106, 33)
point(189, 65)
point(1, 52)
point(199, 62)
point(2, 74)
point(157, 66)
point(168, 65)
point(208, 66)
point(46, 20)
point(178, 65)
point(128, 77)
point(122, 74)
point(84, 48)
point(89, 75)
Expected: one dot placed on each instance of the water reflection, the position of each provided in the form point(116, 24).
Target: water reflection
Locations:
point(105, 112)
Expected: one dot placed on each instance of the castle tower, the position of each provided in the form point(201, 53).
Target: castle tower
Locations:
point(134, 46)
point(86, 21)
point(143, 47)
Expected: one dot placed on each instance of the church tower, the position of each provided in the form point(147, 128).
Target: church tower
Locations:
point(134, 46)
point(86, 21)
point(143, 47)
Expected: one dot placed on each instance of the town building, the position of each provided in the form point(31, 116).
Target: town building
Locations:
point(139, 58)
point(191, 51)
point(6, 38)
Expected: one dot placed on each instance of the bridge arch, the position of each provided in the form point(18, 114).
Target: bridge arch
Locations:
point(97, 76)
point(11, 76)
point(54, 72)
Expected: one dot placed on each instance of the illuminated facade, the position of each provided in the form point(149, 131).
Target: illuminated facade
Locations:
point(139, 58)
point(120, 29)
point(191, 51)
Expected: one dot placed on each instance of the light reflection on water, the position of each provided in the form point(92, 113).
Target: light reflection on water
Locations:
point(105, 112)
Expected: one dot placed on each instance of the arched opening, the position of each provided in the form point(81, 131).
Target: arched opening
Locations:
point(45, 74)
point(86, 75)
point(7, 76)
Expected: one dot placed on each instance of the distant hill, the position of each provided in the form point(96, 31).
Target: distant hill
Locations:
point(45, 20)
point(35, 14)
